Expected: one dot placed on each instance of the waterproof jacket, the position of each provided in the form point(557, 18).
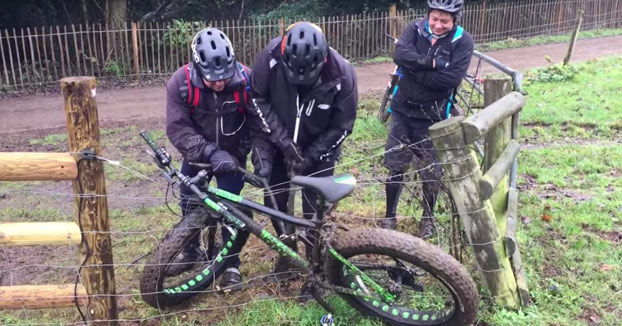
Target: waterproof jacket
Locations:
point(317, 121)
point(217, 118)
point(425, 91)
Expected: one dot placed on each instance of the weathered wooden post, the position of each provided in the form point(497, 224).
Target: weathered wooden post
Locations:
point(91, 204)
point(573, 38)
point(462, 171)
point(135, 49)
point(393, 21)
point(495, 143)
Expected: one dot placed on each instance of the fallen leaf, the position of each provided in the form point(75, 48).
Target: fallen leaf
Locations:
point(547, 218)
point(605, 268)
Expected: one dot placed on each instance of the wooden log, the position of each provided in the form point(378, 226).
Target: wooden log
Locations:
point(40, 233)
point(42, 296)
point(514, 252)
point(91, 202)
point(461, 167)
point(17, 166)
point(499, 170)
point(480, 123)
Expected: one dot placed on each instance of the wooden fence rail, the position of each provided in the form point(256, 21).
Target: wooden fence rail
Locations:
point(44, 54)
point(96, 292)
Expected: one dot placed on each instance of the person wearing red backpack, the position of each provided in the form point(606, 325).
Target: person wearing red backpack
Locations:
point(206, 121)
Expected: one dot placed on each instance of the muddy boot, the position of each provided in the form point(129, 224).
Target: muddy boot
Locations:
point(231, 280)
point(427, 227)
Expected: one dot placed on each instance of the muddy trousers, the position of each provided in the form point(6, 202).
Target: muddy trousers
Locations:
point(232, 183)
point(408, 141)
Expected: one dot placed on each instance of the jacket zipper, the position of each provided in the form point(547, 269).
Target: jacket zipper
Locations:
point(298, 114)
point(217, 117)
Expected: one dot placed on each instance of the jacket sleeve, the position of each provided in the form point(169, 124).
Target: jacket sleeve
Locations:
point(341, 120)
point(406, 55)
point(179, 126)
point(260, 106)
point(452, 76)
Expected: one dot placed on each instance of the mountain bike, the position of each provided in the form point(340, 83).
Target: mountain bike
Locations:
point(386, 274)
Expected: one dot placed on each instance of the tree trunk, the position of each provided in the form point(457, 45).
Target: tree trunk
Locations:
point(116, 12)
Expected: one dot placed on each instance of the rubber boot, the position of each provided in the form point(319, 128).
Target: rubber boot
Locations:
point(393, 189)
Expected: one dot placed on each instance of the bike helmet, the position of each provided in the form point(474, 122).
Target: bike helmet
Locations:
point(451, 6)
point(304, 50)
point(213, 55)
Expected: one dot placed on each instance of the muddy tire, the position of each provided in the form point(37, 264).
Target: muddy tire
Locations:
point(161, 290)
point(432, 264)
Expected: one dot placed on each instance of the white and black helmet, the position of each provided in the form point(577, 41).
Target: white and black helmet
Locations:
point(304, 50)
point(451, 6)
point(212, 55)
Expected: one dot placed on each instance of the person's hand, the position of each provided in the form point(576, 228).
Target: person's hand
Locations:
point(292, 153)
point(441, 64)
point(299, 167)
point(223, 162)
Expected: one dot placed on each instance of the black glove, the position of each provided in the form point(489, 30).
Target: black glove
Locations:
point(221, 161)
point(299, 167)
point(262, 158)
point(425, 63)
point(442, 64)
point(292, 153)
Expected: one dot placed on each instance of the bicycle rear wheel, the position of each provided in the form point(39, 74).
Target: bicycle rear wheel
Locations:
point(161, 286)
point(431, 287)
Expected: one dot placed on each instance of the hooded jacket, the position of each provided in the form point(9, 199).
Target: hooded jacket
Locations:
point(424, 91)
point(317, 121)
point(216, 119)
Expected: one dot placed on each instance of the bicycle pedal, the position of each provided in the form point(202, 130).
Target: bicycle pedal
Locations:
point(327, 320)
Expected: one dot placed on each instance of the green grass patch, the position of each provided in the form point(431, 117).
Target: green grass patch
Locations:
point(511, 43)
point(584, 107)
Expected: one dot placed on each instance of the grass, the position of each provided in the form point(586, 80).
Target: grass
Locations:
point(512, 43)
point(570, 185)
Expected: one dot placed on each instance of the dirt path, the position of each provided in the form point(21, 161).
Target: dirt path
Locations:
point(46, 111)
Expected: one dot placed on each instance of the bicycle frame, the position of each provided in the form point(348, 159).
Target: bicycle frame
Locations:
point(241, 222)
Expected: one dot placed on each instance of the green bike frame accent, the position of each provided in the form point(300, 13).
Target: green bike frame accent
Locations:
point(277, 245)
point(388, 297)
point(225, 194)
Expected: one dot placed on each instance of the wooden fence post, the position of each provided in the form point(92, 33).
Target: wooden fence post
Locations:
point(135, 49)
point(573, 38)
point(462, 171)
point(496, 141)
point(393, 20)
point(281, 26)
point(91, 203)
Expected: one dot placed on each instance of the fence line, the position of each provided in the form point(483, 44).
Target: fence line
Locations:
point(38, 55)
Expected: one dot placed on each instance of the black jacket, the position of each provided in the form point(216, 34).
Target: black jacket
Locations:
point(327, 111)
point(216, 119)
point(424, 91)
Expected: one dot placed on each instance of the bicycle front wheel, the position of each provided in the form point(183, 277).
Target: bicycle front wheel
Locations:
point(430, 286)
point(165, 283)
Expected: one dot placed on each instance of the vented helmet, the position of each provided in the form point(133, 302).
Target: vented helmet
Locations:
point(213, 55)
point(304, 50)
point(452, 6)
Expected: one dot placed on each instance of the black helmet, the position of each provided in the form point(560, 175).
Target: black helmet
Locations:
point(451, 6)
point(304, 51)
point(213, 55)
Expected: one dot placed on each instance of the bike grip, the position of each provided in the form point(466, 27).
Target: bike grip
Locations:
point(149, 141)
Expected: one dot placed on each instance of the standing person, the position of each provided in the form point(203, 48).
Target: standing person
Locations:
point(306, 95)
point(434, 54)
point(206, 121)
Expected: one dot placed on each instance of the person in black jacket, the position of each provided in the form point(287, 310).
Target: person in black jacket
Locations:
point(206, 121)
point(434, 54)
point(305, 93)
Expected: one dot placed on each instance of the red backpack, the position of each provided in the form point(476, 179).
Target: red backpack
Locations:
point(194, 93)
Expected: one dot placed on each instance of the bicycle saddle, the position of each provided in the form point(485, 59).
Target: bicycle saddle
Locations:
point(332, 188)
